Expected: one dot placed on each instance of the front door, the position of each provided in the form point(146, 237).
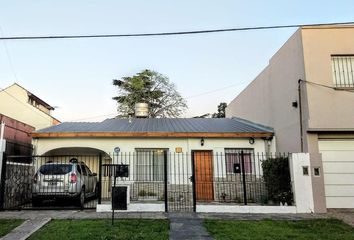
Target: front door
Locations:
point(203, 172)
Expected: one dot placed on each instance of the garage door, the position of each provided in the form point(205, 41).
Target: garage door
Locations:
point(338, 170)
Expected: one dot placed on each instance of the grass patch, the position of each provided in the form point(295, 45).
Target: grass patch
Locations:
point(103, 229)
point(6, 225)
point(317, 229)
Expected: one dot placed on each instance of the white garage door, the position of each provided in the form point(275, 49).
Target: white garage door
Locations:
point(338, 169)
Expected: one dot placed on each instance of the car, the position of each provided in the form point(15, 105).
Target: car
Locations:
point(59, 180)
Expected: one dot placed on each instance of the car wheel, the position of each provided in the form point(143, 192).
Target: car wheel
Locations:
point(36, 202)
point(81, 199)
point(96, 190)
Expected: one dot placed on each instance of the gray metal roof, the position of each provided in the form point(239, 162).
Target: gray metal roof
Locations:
point(176, 125)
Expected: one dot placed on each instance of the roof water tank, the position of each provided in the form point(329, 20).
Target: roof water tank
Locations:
point(141, 110)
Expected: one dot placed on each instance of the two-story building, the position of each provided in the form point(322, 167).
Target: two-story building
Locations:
point(23, 112)
point(306, 93)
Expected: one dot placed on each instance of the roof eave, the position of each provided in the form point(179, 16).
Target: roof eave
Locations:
point(152, 134)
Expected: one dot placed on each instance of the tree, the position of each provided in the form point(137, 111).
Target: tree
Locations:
point(152, 88)
point(221, 111)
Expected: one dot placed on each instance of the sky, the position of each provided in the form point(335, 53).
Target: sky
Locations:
point(75, 75)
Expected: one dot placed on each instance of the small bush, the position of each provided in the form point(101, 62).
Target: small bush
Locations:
point(276, 175)
point(142, 193)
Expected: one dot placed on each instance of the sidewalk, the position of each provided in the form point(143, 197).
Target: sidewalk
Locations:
point(187, 226)
point(345, 214)
point(26, 229)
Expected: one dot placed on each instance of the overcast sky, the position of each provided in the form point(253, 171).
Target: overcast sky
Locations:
point(76, 75)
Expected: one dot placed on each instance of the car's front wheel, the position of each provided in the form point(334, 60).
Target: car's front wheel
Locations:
point(97, 190)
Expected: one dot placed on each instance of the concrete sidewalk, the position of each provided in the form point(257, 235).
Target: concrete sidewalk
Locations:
point(77, 214)
point(344, 214)
point(187, 227)
point(92, 214)
point(26, 229)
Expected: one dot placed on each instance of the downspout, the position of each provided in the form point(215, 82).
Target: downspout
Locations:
point(2, 135)
point(300, 113)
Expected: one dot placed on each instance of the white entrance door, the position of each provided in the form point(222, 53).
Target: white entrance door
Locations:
point(338, 170)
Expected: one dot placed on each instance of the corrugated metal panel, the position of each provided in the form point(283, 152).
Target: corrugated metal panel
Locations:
point(212, 125)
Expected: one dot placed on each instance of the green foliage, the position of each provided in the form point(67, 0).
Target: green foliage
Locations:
point(152, 88)
point(221, 111)
point(103, 229)
point(315, 229)
point(143, 193)
point(6, 225)
point(276, 175)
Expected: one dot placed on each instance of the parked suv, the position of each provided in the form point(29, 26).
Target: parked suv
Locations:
point(72, 180)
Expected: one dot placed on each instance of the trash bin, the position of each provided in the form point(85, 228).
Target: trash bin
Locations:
point(119, 198)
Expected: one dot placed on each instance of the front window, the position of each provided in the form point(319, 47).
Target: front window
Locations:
point(343, 71)
point(150, 164)
point(234, 156)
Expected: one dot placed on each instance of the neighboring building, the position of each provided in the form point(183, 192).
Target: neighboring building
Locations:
point(19, 104)
point(22, 112)
point(18, 136)
point(315, 114)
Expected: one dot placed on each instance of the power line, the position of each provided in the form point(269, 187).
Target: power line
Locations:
point(171, 33)
point(330, 87)
point(92, 117)
point(216, 90)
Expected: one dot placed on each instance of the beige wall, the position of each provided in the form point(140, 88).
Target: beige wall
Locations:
point(107, 145)
point(307, 56)
point(268, 99)
point(328, 108)
point(14, 104)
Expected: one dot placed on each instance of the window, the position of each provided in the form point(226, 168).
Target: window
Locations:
point(233, 156)
point(83, 169)
point(305, 170)
point(343, 71)
point(316, 171)
point(150, 165)
point(55, 169)
point(88, 170)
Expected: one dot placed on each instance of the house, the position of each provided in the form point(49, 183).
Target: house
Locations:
point(18, 103)
point(306, 94)
point(22, 112)
point(162, 156)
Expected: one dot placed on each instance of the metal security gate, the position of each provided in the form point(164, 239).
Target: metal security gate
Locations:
point(179, 183)
point(49, 182)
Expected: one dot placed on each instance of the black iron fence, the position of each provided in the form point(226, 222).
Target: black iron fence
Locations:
point(53, 182)
point(174, 181)
point(181, 181)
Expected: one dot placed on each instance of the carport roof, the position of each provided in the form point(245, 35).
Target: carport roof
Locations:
point(158, 127)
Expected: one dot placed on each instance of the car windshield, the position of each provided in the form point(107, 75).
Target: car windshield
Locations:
point(55, 169)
